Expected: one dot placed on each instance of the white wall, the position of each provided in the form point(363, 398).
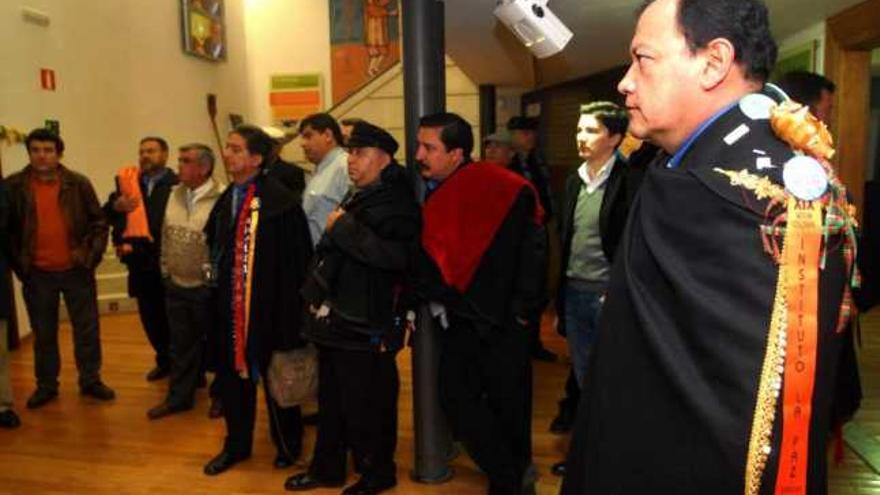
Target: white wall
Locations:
point(121, 74)
point(285, 36)
point(814, 32)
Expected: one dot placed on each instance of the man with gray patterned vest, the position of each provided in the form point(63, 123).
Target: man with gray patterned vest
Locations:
point(183, 260)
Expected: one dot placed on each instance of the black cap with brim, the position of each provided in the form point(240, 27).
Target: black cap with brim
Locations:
point(367, 135)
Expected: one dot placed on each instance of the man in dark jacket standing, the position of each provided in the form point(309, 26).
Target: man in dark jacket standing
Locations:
point(714, 363)
point(482, 271)
point(259, 243)
point(354, 296)
point(142, 259)
point(590, 213)
point(528, 161)
point(8, 417)
point(57, 236)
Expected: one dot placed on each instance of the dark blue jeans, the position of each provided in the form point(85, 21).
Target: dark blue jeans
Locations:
point(41, 291)
point(582, 308)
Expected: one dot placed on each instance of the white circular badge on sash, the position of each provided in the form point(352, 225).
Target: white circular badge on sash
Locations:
point(805, 178)
point(756, 106)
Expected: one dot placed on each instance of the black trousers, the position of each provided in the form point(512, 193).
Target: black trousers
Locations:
point(486, 393)
point(189, 317)
point(239, 396)
point(569, 403)
point(149, 290)
point(41, 291)
point(357, 404)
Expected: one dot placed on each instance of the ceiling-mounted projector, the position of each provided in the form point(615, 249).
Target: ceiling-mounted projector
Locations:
point(535, 25)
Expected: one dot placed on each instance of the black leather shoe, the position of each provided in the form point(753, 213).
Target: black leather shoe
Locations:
point(216, 409)
point(558, 469)
point(41, 397)
point(158, 373)
point(561, 424)
point(165, 409)
point(369, 487)
point(282, 462)
point(98, 391)
point(304, 481)
point(222, 462)
point(9, 420)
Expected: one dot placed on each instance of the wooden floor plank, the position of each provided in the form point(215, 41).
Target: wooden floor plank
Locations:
point(78, 445)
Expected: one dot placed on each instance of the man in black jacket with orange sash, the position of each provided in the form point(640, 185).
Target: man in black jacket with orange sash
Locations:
point(714, 361)
point(482, 272)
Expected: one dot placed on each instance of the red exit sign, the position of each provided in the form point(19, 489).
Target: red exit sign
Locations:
point(47, 79)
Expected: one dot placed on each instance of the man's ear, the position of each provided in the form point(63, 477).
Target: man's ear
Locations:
point(719, 58)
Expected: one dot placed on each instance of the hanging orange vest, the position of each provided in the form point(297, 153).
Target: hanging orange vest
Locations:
point(136, 224)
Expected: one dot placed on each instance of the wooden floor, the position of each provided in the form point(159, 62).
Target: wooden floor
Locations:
point(77, 445)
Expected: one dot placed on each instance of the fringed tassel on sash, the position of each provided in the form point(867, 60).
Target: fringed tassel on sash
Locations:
point(242, 277)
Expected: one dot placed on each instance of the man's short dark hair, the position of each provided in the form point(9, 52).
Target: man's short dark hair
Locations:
point(321, 122)
point(455, 131)
point(744, 23)
point(43, 134)
point(805, 87)
point(163, 145)
point(351, 121)
point(256, 141)
point(205, 155)
point(614, 118)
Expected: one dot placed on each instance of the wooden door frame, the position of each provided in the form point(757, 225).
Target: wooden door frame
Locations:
point(849, 38)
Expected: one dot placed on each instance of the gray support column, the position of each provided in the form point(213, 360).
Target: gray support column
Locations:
point(424, 66)
point(487, 113)
point(424, 87)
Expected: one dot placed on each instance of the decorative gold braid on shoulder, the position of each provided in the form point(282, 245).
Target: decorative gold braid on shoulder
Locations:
point(769, 389)
point(761, 186)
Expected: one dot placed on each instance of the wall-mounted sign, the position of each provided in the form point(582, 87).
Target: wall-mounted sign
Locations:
point(294, 96)
point(47, 79)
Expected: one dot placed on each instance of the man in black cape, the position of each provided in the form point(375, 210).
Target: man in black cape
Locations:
point(260, 246)
point(678, 398)
point(483, 273)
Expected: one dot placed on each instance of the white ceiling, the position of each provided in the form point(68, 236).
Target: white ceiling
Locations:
point(489, 54)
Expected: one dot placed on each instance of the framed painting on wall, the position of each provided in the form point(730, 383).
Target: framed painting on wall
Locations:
point(364, 42)
point(203, 28)
point(799, 58)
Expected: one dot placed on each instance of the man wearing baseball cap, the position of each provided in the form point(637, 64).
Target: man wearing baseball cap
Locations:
point(355, 304)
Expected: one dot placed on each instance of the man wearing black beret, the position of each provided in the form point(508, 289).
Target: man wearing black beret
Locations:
point(354, 297)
